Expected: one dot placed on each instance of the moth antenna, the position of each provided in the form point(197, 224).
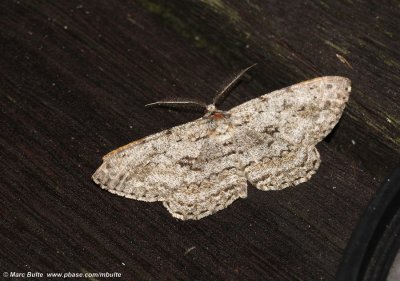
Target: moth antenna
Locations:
point(221, 95)
point(178, 104)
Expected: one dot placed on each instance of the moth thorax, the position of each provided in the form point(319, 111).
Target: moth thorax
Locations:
point(222, 133)
point(222, 129)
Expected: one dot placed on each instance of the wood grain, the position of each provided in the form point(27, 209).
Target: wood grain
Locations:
point(75, 77)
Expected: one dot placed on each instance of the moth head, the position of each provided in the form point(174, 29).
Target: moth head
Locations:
point(211, 108)
point(214, 113)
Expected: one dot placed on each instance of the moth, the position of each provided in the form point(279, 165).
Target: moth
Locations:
point(201, 167)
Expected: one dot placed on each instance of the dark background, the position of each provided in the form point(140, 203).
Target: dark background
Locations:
point(75, 76)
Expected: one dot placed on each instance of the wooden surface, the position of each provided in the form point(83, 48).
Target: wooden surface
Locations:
point(75, 76)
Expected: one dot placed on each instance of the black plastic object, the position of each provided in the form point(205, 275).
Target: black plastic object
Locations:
point(376, 240)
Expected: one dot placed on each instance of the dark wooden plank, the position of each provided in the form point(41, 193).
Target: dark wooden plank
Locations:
point(74, 80)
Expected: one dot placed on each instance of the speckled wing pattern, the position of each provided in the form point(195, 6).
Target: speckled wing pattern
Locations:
point(201, 167)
